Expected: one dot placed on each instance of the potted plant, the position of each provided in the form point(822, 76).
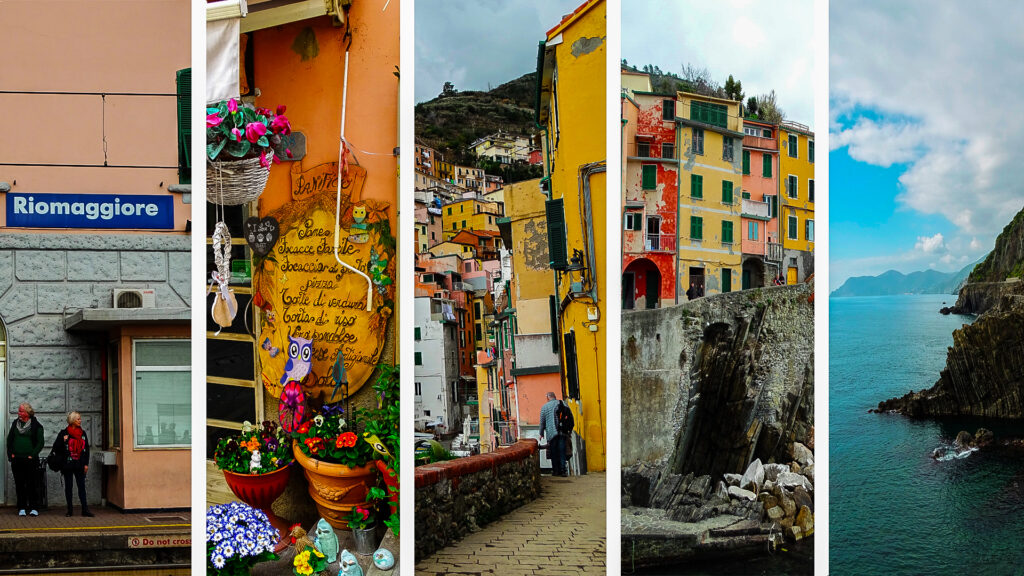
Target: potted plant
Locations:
point(309, 561)
point(336, 461)
point(237, 538)
point(255, 464)
point(361, 521)
point(385, 426)
point(241, 143)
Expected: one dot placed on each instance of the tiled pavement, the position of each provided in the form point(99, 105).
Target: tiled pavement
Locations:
point(107, 520)
point(562, 532)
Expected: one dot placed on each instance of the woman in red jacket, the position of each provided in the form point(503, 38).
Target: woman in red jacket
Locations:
point(73, 446)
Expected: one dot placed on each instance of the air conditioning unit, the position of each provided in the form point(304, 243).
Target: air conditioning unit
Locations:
point(134, 298)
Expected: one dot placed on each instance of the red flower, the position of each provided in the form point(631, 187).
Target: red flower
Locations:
point(281, 125)
point(346, 440)
point(281, 109)
point(232, 106)
point(303, 428)
point(254, 131)
point(213, 120)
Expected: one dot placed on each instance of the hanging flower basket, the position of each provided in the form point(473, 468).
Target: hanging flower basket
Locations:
point(235, 182)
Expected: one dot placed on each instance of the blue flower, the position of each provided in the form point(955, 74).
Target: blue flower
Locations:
point(218, 561)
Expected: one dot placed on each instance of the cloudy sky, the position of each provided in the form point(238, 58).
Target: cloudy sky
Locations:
point(925, 133)
point(765, 45)
point(476, 43)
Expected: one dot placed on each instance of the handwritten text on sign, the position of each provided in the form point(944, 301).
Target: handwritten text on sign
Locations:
point(312, 296)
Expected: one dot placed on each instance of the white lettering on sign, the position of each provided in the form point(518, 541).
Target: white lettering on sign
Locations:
point(156, 541)
point(91, 210)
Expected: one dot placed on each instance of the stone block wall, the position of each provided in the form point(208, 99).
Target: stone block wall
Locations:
point(457, 497)
point(43, 278)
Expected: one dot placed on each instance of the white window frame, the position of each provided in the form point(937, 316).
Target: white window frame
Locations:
point(792, 227)
point(135, 395)
point(794, 190)
point(809, 230)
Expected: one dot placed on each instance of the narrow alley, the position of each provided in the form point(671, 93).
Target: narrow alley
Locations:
point(562, 532)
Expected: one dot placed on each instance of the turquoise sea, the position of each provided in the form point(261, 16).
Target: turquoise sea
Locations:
point(893, 508)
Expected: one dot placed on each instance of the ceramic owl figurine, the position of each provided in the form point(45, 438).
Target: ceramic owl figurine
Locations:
point(384, 559)
point(349, 564)
point(300, 359)
point(326, 540)
point(359, 215)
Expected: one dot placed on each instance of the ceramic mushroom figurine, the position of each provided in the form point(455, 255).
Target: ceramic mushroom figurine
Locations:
point(349, 565)
point(326, 540)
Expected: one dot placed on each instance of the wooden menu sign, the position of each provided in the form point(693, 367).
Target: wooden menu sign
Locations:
point(307, 294)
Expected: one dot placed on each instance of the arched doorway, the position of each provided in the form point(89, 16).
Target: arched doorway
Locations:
point(753, 273)
point(641, 285)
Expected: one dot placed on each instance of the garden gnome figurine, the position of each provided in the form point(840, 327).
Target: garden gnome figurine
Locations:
point(254, 462)
point(326, 540)
point(349, 565)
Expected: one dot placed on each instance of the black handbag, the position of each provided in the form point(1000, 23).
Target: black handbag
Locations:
point(53, 461)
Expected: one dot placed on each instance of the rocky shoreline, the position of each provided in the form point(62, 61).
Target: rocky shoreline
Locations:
point(669, 517)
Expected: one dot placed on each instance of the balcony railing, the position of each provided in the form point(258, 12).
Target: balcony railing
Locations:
point(660, 243)
point(641, 150)
point(760, 143)
point(756, 208)
point(773, 251)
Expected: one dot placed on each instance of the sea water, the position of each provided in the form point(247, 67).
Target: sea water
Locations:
point(894, 509)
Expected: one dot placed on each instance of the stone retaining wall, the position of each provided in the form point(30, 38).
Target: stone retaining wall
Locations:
point(457, 497)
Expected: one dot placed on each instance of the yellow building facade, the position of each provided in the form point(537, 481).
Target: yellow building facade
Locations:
point(710, 150)
point(531, 281)
point(470, 214)
point(796, 193)
point(571, 75)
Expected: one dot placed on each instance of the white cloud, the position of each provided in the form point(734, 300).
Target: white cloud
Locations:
point(930, 244)
point(938, 75)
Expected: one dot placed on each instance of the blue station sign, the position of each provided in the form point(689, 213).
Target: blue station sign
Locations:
point(115, 211)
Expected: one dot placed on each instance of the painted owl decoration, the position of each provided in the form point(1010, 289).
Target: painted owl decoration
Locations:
point(384, 559)
point(359, 215)
point(300, 359)
point(349, 565)
point(326, 540)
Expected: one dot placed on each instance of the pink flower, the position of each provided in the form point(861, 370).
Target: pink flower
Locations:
point(213, 120)
point(281, 109)
point(263, 159)
point(255, 131)
point(263, 111)
point(236, 134)
point(288, 151)
point(232, 106)
point(281, 125)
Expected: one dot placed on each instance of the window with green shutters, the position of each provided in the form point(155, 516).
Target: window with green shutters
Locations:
point(726, 280)
point(650, 177)
point(766, 165)
point(696, 227)
point(698, 141)
point(708, 113)
point(746, 162)
point(792, 232)
point(726, 192)
point(726, 232)
point(810, 190)
point(696, 186)
point(633, 221)
point(810, 151)
point(416, 333)
point(668, 109)
point(791, 188)
point(419, 359)
point(184, 84)
point(793, 146)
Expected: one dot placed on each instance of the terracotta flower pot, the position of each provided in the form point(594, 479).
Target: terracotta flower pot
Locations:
point(260, 491)
point(336, 488)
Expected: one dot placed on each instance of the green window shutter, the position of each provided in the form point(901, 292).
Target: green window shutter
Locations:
point(726, 232)
point(793, 146)
point(810, 151)
point(696, 227)
point(708, 113)
point(696, 186)
point(183, 81)
point(650, 177)
point(810, 190)
point(726, 280)
point(746, 162)
point(746, 195)
point(419, 358)
point(638, 223)
point(726, 192)
point(556, 234)
point(553, 318)
point(416, 333)
point(668, 110)
point(766, 165)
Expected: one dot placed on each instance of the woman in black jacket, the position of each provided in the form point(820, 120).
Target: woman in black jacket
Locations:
point(73, 447)
point(24, 442)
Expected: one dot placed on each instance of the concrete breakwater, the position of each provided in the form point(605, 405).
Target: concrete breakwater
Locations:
point(711, 389)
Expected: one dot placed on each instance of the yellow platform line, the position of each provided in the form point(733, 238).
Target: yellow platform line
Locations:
point(92, 528)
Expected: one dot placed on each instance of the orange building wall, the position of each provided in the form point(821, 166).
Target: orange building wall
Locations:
point(532, 391)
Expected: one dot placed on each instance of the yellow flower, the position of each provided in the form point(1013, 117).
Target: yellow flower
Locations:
point(319, 555)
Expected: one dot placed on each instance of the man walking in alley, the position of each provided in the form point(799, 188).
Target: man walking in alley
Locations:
point(549, 432)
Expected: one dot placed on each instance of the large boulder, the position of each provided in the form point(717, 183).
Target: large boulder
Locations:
point(771, 471)
point(802, 454)
point(753, 478)
point(741, 494)
point(803, 498)
point(790, 480)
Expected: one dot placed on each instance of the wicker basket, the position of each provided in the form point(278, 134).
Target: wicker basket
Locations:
point(236, 181)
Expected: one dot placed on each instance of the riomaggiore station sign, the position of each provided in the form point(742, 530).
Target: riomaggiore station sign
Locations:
point(90, 211)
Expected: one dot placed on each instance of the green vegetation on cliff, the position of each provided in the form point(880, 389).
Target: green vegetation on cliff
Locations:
point(1006, 260)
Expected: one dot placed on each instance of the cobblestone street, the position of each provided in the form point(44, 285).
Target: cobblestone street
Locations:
point(562, 532)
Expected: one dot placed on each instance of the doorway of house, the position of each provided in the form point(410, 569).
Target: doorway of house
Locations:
point(628, 288)
point(697, 279)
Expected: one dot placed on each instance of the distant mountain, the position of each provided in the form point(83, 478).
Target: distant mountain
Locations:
point(453, 120)
point(893, 282)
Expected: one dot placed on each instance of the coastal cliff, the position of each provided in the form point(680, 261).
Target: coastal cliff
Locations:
point(984, 373)
point(711, 389)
